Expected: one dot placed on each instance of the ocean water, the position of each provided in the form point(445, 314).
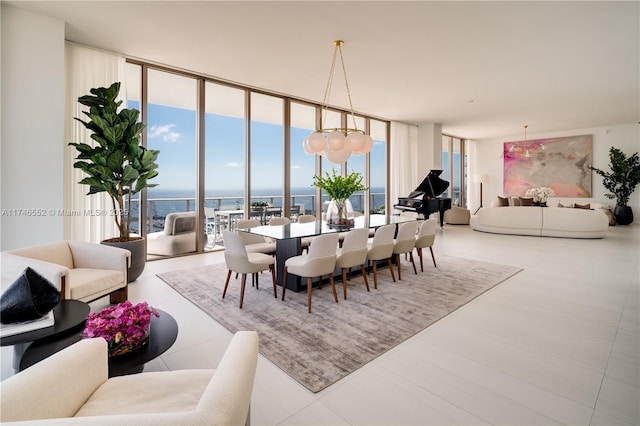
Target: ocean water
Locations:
point(162, 202)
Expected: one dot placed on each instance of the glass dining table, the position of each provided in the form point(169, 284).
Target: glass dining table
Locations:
point(289, 237)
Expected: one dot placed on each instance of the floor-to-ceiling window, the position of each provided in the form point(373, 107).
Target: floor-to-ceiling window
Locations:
point(248, 140)
point(357, 163)
point(171, 129)
point(454, 165)
point(266, 163)
point(378, 165)
point(302, 165)
point(224, 148)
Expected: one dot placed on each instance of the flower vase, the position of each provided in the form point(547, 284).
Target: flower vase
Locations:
point(121, 348)
point(340, 214)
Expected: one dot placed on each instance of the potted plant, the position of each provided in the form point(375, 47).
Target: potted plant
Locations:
point(117, 164)
point(340, 189)
point(621, 181)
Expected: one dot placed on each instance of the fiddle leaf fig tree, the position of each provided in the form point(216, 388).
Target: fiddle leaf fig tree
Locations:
point(623, 177)
point(117, 164)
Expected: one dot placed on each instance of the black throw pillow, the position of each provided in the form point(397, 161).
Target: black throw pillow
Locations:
point(29, 297)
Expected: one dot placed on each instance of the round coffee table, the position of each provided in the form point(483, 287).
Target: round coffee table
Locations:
point(69, 315)
point(163, 333)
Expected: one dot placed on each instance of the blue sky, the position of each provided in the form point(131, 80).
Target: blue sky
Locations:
point(173, 132)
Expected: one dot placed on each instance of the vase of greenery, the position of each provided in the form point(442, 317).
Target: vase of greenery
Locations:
point(339, 188)
point(117, 163)
point(621, 181)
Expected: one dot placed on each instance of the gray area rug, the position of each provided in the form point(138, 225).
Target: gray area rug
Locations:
point(320, 348)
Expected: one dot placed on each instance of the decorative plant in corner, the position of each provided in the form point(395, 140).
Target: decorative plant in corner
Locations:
point(621, 181)
point(339, 189)
point(117, 164)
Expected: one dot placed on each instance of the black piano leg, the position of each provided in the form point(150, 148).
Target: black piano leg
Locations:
point(441, 218)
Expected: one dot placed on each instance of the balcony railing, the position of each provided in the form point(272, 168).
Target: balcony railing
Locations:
point(159, 208)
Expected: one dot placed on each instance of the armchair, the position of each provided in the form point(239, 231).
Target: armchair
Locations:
point(72, 387)
point(80, 270)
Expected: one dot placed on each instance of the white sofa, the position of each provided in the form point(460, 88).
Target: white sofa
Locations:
point(542, 221)
point(80, 270)
point(72, 387)
point(178, 236)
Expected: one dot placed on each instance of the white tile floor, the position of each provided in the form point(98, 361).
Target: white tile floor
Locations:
point(556, 344)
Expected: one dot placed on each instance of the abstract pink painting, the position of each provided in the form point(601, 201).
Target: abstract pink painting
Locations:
point(559, 163)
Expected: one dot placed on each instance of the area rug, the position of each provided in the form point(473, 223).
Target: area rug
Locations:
point(336, 339)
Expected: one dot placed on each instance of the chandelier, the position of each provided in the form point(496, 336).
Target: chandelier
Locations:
point(337, 143)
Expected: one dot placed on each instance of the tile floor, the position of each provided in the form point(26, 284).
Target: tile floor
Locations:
point(557, 343)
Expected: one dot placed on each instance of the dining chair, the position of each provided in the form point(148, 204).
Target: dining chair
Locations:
point(213, 225)
point(294, 212)
point(239, 261)
point(279, 220)
point(425, 238)
point(319, 261)
point(381, 248)
point(353, 253)
point(405, 242)
point(270, 212)
point(254, 243)
point(306, 218)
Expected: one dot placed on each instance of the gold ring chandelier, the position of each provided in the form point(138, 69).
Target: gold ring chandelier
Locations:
point(337, 143)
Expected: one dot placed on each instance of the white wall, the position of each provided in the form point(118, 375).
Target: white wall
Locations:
point(32, 134)
point(487, 159)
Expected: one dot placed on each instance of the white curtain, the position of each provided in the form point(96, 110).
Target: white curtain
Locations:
point(403, 161)
point(89, 216)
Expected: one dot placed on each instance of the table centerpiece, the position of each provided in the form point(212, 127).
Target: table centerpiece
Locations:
point(540, 195)
point(124, 326)
point(339, 188)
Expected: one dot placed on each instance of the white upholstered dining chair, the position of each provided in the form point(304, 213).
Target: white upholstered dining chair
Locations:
point(353, 253)
point(425, 238)
point(381, 248)
point(319, 261)
point(254, 243)
point(239, 261)
point(405, 242)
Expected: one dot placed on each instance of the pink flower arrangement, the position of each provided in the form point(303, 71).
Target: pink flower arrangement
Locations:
point(121, 325)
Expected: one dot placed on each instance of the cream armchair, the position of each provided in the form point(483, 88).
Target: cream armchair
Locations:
point(71, 387)
point(80, 270)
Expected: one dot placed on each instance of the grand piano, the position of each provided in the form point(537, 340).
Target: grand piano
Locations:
point(424, 199)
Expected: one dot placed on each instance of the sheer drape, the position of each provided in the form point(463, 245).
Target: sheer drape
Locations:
point(88, 217)
point(403, 160)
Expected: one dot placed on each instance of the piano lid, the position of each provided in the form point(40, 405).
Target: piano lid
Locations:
point(431, 186)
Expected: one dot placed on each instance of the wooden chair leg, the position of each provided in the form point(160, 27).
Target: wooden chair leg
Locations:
point(420, 256)
point(273, 280)
point(309, 290)
point(333, 287)
point(244, 281)
point(433, 257)
point(257, 287)
point(226, 284)
point(375, 275)
point(284, 282)
point(344, 282)
point(399, 266)
point(415, 271)
point(364, 275)
point(393, 277)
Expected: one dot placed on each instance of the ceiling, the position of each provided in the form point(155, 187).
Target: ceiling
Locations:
point(481, 69)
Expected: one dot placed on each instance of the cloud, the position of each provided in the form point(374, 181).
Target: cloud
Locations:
point(165, 132)
point(296, 167)
point(233, 164)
